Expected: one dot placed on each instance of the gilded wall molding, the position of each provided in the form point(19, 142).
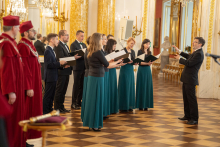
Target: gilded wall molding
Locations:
point(106, 17)
point(145, 20)
point(210, 33)
point(78, 18)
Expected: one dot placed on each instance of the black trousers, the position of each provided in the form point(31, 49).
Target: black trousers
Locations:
point(3, 134)
point(77, 86)
point(61, 88)
point(50, 88)
point(190, 102)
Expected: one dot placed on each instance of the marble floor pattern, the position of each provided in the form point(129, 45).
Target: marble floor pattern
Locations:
point(158, 127)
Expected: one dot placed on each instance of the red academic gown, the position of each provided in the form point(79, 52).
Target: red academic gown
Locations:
point(32, 80)
point(12, 80)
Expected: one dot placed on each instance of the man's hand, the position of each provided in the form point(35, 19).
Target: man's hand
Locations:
point(11, 98)
point(30, 93)
point(66, 66)
point(177, 50)
point(77, 57)
point(62, 62)
point(177, 57)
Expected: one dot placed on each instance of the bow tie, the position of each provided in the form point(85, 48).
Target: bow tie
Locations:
point(81, 43)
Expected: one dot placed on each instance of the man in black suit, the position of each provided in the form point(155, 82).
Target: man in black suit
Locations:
point(50, 72)
point(78, 70)
point(189, 78)
point(62, 51)
point(39, 45)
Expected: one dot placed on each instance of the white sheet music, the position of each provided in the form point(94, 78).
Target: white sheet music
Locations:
point(114, 55)
point(68, 58)
point(142, 57)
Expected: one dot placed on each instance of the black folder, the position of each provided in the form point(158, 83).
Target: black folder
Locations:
point(79, 52)
point(149, 58)
point(125, 56)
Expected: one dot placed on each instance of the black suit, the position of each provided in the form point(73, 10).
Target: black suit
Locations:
point(39, 47)
point(189, 78)
point(78, 74)
point(50, 78)
point(61, 51)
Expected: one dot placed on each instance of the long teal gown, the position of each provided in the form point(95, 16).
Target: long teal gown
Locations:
point(144, 87)
point(106, 106)
point(126, 85)
point(113, 88)
point(93, 111)
point(84, 85)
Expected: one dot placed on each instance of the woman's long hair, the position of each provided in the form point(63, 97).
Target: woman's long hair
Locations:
point(94, 44)
point(142, 46)
point(109, 45)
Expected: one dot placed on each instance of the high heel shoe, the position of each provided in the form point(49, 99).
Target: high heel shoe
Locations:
point(96, 130)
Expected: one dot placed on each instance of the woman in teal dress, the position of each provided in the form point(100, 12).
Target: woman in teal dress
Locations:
point(85, 80)
point(126, 86)
point(144, 86)
point(113, 87)
point(106, 108)
point(93, 108)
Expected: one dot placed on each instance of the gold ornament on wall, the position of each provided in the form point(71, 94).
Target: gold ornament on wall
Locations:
point(210, 33)
point(106, 17)
point(145, 20)
point(78, 18)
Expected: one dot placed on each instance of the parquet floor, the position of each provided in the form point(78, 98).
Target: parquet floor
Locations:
point(158, 127)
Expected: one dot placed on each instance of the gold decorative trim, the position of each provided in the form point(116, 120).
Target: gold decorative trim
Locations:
point(210, 33)
point(106, 17)
point(78, 18)
point(144, 36)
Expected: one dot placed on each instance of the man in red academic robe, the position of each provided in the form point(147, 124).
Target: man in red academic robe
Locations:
point(12, 80)
point(32, 74)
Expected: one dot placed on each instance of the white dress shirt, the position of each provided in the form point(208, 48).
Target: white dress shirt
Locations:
point(52, 50)
point(65, 46)
point(80, 44)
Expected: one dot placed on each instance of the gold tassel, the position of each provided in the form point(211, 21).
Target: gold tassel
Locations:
point(25, 128)
point(63, 127)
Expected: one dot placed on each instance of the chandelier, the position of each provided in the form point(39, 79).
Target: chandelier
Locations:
point(17, 8)
point(46, 4)
point(184, 2)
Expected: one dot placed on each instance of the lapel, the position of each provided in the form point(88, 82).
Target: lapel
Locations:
point(194, 53)
point(78, 45)
point(64, 48)
point(52, 52)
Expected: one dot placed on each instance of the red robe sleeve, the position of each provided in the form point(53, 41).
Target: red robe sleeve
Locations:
point(25, 54)
point(7, 73)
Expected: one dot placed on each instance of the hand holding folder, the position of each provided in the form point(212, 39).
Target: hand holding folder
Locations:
point(142, 58)
point(71, 61)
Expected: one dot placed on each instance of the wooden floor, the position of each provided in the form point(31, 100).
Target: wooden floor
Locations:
point(158, 127)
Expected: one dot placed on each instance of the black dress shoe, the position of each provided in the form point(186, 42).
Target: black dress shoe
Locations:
point(67, 111)
point(192, 122)
point(105, 117)
point(184, 118)
point(140, 108)
point(145, 109)
point(29, 145)
point(74, 107)
point(96, 130)
point(62, 111)
point(130, 110)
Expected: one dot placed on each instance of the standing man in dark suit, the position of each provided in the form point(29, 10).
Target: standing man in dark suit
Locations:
point(39, 45)
point(189, 78)
point(62, 51)
point(51, 72)
point(78, 70)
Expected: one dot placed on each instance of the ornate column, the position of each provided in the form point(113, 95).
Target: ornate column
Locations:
point(78, 18)
point(210, 32)
point(106, 17)
point(145, 20)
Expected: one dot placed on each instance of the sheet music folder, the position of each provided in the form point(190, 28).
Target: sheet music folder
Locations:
point(141, 58)
point(71, 61)
point(117, 55)
point(80, 52)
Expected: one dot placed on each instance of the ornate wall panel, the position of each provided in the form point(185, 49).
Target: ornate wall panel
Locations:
point(78, 18)
point(145, 20)
point(106, 17)
point(210, 32)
